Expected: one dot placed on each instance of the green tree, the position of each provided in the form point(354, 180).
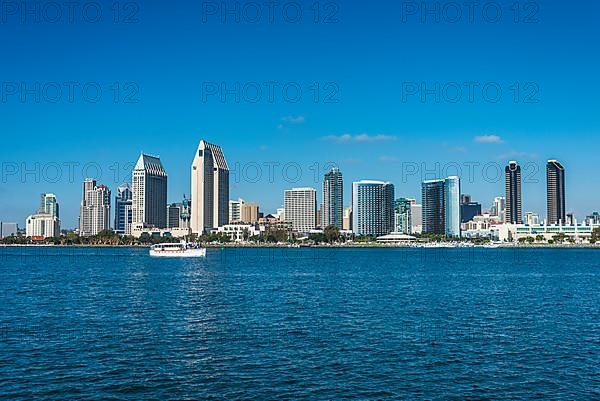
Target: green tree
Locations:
point(332, 234)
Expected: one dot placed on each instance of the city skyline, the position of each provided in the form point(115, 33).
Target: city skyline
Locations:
point(514, 181)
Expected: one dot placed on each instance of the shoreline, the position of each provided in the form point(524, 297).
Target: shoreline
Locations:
point(328, 246)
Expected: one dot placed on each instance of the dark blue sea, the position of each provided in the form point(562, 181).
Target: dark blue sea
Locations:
point(310, 324)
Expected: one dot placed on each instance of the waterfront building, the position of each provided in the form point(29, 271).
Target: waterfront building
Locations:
point(532, 218)
point(416, 215)
point(149, 193)
point(235, 210)
point(123, 210)
point(49, 205)
point(499, 208)
point(42, 225)
point(174, 215)
point(403, 215)
point(555, 179)
point(333, 199)
point(514, 203)
point(482, 226)
point(240, 232)
point(8, 229)
point(372, 208)
point(441, 206)
point(210, 189)
point(580, 233)
point(468, 208)
point(300, 206)
point(249, 213)
point(94, 215)
point(347, 222)
point(452, 204)
point(434, 207)
point(593, 218)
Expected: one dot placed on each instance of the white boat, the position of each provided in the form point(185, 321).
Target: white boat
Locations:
point(177, 250)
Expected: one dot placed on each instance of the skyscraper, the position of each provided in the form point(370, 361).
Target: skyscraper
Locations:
point(441, 207)
point(468, 208)
point(123, 212)
point(452, 215)
point(149, 194)
point(300, 206)
point(403, 215)
point(49, 205)
point(372, 208)
point(94, 215)
point(434, 207)
point(333, 199)
point(555, 176)
point(499, 208)
point(514, 205)
point(210, 189)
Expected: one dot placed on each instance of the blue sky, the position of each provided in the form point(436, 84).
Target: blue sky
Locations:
point(379, 96)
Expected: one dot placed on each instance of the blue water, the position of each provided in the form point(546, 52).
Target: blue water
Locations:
point(308, 324)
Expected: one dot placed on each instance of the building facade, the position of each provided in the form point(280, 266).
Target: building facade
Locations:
point(49, 205)
point(300, 206)
point(441, 207)
point(403, 215)
point(372, 208)
point(123, 210)
point(514, 203)
point(42, 225)
point(434, 207)
point(347, 222)
point(555, 191)
point(499, 208)
point(468, 209)
point(149, 193)
point(94, 216)
point(8, 229)
point(210, 189)
point(333, 199)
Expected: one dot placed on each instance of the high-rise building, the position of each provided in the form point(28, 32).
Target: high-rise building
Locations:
point(210, 189)
point(123, 212)
point(347, 225)
point(333, 199)
point(499, 208)
point(372, 208)
point(571, 219)
point(434, 207)
point(300, 206)
point(94, 214)
point(452, 194)
point(42, 225)
point(235, 210)
point(403, 215)
point(174, 215)
point(149, 193)
point(249, 213)
point(532, 219)
point(8, 229)
point(49, 205)
point(468, 208)
point(593, 218)
point(441, 207)
point(416, 215)
point(555, 175)
point(514, 204)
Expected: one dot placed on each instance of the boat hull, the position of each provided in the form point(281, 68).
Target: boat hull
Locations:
point(188, 253)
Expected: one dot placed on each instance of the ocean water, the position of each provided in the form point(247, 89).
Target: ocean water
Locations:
point(313, 324)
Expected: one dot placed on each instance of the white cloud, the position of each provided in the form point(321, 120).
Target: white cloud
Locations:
point(363, 138)
point(488, 139)
point(294, 120)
